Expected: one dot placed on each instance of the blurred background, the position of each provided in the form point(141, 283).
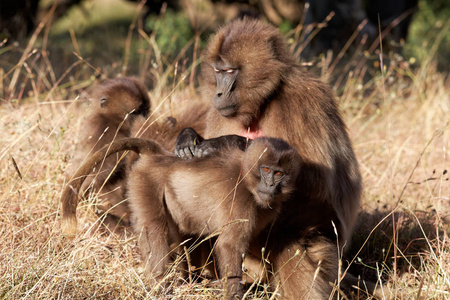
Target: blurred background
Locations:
point(145, 38)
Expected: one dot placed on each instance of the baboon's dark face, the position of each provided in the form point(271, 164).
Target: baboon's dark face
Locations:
point(274, 168)
point(225, 100)
point(242, 69)
point(270, 184)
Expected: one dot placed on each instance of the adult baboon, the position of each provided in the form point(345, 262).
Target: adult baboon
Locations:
point(116, 104)
point(233, 193)
point(257, 88)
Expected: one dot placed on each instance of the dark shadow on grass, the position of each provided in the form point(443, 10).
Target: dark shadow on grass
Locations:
point(413, 233)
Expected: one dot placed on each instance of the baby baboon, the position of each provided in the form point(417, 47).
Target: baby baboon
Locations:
point(255, 87)
point(116, 104)
point(233, 193)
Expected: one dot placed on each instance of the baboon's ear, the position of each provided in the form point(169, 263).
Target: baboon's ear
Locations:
point(103, 101)
point(276, 46)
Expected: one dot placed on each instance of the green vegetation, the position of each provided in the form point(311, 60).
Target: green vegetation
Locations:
point(172, 31)
point(430, 33)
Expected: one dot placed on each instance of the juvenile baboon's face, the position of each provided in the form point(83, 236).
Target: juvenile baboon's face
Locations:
point(273, 167)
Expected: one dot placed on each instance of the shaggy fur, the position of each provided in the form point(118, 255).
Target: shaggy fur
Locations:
point(230, 194)
point(272, 96)
point(116, 104)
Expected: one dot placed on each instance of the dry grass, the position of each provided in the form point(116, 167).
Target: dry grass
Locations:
point(401, 136)
point(399, 123)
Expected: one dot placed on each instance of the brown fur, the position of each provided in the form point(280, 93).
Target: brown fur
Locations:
point(275, 97)
point(165, 132)
point(200, 200)
point(190, 114)
point(219, 194)
point(69, 198)
point(116, 104)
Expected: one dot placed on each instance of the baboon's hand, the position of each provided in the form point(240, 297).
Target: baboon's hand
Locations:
point(205, 148)
point(187, 142)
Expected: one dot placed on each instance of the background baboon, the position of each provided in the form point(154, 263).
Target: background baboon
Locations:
point(232, 193)
point(258, 89)
point(116, 104)
point(165, 132)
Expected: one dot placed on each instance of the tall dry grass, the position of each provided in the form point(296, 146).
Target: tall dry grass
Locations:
point(398, 120)
point(401, 136)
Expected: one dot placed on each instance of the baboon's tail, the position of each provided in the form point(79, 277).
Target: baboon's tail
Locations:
point(69, 197)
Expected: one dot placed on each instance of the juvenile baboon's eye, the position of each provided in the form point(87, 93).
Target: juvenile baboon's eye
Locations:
point(103, 101)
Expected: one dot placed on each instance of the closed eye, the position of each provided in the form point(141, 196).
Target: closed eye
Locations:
point(230, 71)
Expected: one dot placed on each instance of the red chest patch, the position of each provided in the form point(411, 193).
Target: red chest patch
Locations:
point(252, 132)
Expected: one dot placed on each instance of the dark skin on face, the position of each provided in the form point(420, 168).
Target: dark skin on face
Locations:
point(226, 80)
point(271, 176)
point(236, 192)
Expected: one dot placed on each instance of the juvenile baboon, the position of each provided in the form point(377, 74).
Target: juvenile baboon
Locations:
point(257, 88)
point(233, 193)
point(116, 104)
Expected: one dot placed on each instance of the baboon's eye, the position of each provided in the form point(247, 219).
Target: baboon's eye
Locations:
point(230, 71)
point(216, 70)
point(267, 170)
point(279, 173)
point(103, 101)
